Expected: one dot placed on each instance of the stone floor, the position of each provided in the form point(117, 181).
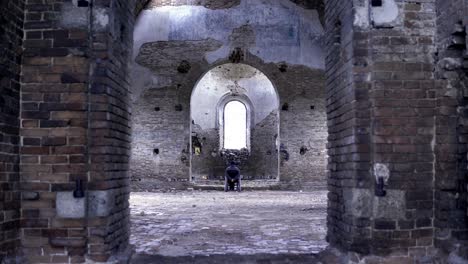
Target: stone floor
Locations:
point(268, 226)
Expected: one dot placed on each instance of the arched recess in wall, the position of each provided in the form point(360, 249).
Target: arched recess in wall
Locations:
point(223, 84)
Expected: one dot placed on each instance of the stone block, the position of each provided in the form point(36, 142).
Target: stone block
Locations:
point(391, 206)
point(100, 203)
point(69, 206)
point(358, 202)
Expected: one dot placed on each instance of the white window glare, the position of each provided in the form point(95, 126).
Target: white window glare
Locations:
point(235, 125)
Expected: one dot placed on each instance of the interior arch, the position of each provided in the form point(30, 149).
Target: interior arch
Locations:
point(214, 91)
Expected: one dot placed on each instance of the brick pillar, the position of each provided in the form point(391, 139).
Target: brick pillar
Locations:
point(382, 124)
point(54, 131)
point(109, 130)
point(11, 24)
point(349, 180)
point(403, 102)
point(75, 128)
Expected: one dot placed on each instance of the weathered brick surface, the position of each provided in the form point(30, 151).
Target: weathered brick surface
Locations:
point(109, 130)
point(11, 24)
point(381, 93)
point(451, 198)
point(74, 129)
point(53, 129)
point(403, 121)
point(348, 128)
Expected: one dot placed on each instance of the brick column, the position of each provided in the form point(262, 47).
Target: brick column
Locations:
point(75, 127)
point(349, 180)
point(54, 131)
point(109, 131)
point(11, 24)
point(382, 124)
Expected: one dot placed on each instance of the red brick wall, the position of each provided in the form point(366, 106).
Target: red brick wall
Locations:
point(53, 130)
point(75, 127)
point(381, 112)
point(402, 102)
point(110, 129)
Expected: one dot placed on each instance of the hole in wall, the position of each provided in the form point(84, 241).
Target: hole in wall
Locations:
point(376, 3)
point(123, 32)
point(178, 107)
point(184, 67)
point(196, 145)
point(156, 151)
point(237, 55)
point(83, 3)
point(285, 107)
point(458, 41)
point(337, 33)
point(312, 107)
point(303, 150)
point(283, 68)
point(157, 109)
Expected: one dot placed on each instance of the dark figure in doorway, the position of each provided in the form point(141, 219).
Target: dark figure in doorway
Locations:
point(232, 178)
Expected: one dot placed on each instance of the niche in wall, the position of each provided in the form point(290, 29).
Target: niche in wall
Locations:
point(234, 109)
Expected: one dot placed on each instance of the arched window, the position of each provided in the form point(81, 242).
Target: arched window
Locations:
point(235, 125)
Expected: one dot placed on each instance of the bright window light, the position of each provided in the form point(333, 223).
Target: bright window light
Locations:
point(235, 125)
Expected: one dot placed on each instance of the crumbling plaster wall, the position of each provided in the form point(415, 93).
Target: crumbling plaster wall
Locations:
point(451, 183)
point(263, 35)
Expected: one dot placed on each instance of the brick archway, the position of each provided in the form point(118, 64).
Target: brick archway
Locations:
point(71, 124)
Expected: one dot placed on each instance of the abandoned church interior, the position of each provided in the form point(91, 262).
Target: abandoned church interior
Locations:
point(345, 121)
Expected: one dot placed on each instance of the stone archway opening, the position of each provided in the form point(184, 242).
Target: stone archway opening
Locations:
point(395, 99)
point(255, 147)
point(188, 64)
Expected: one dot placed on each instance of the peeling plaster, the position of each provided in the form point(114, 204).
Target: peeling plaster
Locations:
point(361, 16)
point(386, 15)
point(251, 26)
point(278, 38)
point(101, 17)
point(73, 16)
point(163, 57)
